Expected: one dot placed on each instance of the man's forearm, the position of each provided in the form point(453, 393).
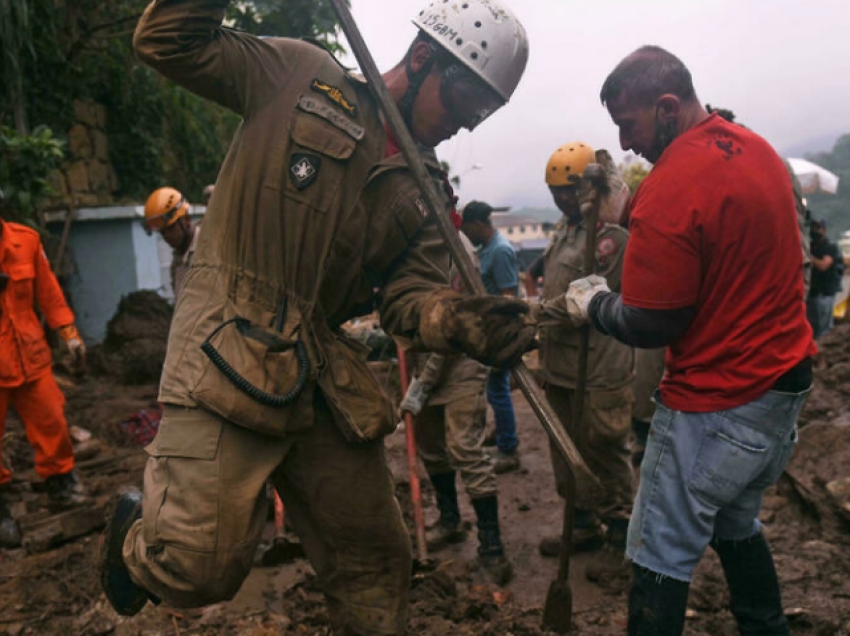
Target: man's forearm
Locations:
point(636, 327)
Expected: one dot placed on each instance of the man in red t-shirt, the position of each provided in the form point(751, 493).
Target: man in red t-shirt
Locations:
point(707, 272)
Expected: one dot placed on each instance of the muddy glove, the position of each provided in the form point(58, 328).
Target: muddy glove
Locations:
point(416, 397)
point(579, 295)
point(491, 329)
point(602, 181)
point(75, 345)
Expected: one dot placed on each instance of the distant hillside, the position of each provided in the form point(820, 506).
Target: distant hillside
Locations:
point(834, 208)
point(821, 143)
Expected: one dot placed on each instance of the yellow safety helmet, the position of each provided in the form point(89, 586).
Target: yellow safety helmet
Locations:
point(567, 163)
point(163, 208)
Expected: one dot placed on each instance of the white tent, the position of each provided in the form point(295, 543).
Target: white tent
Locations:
point(813, 178)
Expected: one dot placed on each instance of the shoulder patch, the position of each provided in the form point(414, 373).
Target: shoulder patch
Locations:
point(334, 94)
point(606, 247)
point(312, 105)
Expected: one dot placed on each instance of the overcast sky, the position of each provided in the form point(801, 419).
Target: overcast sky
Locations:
point(783, 66)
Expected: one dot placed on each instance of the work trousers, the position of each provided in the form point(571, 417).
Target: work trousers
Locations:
point(41, 406)
point(602, 441)
point(204, 508)
point(450, 438)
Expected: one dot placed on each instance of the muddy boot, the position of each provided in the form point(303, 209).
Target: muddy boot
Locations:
point(491, 551)
point(66, 489)
point(448, 529)
point(610, 564)
point(657, 604)
point(587, 536)
point(123, 594)
point(10, 533)
point(505, 462)
point(754, 596)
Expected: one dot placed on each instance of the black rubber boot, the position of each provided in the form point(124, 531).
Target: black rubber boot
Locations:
point(66, 489)
point(10, 533)
point(448, 529)
point(657, 604)
point(754, 594)
point(124, 595)
point(491, 550)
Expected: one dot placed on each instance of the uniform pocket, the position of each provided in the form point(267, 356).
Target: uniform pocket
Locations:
point(612, 413)
point(182, 482)
point(729, 459)
point(246, 360)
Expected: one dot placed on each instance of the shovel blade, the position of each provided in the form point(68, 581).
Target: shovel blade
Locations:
point(558, 612)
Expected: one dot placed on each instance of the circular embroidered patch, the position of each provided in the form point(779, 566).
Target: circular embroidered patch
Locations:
point(606, 247)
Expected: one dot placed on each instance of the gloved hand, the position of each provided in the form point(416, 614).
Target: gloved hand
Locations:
point(490, 329)
point(416, 397)
point(75, 344)
point(579, 295)
point(602, 181)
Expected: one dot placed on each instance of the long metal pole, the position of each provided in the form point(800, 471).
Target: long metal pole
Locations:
point(585, 479)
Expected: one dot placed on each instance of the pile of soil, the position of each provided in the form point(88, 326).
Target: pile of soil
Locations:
point(136, 339)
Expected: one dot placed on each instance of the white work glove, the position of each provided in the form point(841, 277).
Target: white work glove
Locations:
point(602, 181)
point(579, 295)
point(416, 397)
point(77, 349)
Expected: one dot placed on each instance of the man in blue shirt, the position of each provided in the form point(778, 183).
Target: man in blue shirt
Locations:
point(500, 272)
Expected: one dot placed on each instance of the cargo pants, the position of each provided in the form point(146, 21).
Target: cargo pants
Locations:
point(450, 437)
point(602, 442)
point(204, 508)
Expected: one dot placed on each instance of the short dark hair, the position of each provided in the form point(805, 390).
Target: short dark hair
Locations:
point(477, 211)
point(647, 74)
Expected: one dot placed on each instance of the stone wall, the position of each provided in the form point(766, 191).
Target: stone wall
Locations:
point(86, 177)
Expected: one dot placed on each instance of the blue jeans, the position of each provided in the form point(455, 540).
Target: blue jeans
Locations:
point(704, 475)
point(819, 311)
point(499, 397)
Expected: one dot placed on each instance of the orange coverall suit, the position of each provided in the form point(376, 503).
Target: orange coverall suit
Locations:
point(26, 380)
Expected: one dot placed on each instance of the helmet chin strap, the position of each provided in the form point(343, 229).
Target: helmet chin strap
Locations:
point(187, 238)
point(414, 83)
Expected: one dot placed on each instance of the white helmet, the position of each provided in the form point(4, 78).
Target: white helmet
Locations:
point(483, 35)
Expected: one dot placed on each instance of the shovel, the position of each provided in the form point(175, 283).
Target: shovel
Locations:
point(423, 562)
point(558, 611)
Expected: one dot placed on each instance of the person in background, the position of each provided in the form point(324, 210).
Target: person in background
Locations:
point(827, 271)
point(500, 273)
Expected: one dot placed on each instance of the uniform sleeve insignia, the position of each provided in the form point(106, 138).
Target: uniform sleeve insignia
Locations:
point(335, 95)
point(423, 209)
point(606, 247)
point(303, 169)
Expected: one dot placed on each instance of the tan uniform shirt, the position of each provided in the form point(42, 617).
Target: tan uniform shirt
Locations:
point(180, 263)
point(307, 219)
point(610, 363)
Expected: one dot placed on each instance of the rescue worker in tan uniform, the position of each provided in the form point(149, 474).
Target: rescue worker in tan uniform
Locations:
point(313, 209)
point(167, 212)
point(602, 438)
point(447, 400)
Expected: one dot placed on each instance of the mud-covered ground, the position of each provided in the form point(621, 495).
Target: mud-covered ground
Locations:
point(807, 520)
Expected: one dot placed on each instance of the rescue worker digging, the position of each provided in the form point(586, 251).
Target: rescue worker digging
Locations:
point(447, 400)
point(26, 367)
point(313, 209)
point(602, 437)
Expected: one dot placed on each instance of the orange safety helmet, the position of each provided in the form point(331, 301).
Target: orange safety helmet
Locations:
point(566, 165)
point(163, 208)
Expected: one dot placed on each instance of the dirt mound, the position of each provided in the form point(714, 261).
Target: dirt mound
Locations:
point(136, 339)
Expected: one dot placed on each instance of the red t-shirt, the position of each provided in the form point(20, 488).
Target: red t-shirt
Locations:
point(714, 226)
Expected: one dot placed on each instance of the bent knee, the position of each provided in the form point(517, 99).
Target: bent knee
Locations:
point(195, 579)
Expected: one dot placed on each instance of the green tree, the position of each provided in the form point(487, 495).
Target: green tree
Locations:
point(835, 208)
point(57, 51)
point(633, 172)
